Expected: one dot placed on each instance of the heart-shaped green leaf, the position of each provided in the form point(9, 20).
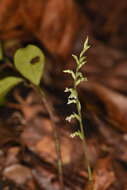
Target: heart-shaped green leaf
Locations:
point(29, 61)
point(6, 84)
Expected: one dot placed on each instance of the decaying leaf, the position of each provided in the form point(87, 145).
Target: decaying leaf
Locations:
point(115, 105)
point(103, 176)
point(57, 31)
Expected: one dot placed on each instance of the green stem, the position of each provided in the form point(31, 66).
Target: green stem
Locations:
point(78, 106)
point(84, 144)
point(56, 135)
point(85, 153)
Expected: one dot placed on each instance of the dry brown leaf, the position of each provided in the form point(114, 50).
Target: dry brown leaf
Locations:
point(18, 173)
point(115, 105)
point(39, 138)
point(54, 22)
point(103, 176)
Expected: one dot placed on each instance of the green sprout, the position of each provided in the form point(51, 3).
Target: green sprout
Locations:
point(73, 98)
point(29, 62)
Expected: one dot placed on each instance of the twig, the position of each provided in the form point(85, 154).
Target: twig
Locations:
point(56, 135)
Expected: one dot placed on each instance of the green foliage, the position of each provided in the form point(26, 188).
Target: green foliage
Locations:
point(78, 134)
point(77, 77)
point(6, 84)
point(73, 98)
point(73, 116)
point(29, 61)
point(70, 72)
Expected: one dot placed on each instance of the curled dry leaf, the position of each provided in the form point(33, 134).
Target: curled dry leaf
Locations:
point(56, 30)
point(115, 105)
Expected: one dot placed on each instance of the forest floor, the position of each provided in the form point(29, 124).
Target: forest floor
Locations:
point(28, 158)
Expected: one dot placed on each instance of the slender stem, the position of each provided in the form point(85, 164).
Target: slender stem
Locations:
point(84, 144)
point(56, 135)
point(78, 105)
point(85, 152)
